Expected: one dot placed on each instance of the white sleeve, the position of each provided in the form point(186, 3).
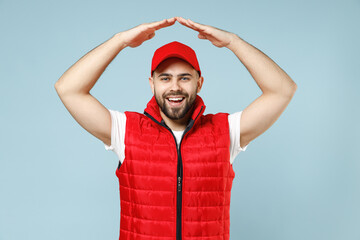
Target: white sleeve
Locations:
point(234, 128)
point(118, 122)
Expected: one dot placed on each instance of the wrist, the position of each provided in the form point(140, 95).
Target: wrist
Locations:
point(234, 38)
point(120, 40)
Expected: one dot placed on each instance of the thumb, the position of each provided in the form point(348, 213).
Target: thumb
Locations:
point(151, 35)
point(201, 36)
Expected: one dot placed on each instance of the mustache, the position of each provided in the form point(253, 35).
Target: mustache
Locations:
point(177, 93)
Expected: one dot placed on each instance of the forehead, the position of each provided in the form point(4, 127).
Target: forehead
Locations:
point(174, 64)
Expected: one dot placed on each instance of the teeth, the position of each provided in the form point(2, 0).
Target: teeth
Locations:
point(175, 99)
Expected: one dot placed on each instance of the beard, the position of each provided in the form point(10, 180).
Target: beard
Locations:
point(176, 113)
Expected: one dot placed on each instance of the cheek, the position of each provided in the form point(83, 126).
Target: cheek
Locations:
point(194, 88)
point(159, 90)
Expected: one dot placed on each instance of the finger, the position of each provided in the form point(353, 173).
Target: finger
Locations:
point(183, 21)
point(171, 21)
point(199, 26)
point(162, 23)
point(196, 27)
point(154, 25)
point(151, 35)
point(189, 26)
point(201, 36)
point(186, 23)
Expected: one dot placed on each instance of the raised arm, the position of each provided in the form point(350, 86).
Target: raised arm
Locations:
point(276, 86)
point(75, 84)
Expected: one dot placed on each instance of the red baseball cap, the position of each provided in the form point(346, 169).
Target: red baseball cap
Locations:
point(175, 49)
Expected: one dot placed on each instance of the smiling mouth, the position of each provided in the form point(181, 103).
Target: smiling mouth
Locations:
point(175, 101)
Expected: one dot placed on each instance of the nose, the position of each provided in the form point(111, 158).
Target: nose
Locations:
point(175, 85)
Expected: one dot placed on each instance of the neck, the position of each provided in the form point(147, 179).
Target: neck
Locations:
point(179, 124)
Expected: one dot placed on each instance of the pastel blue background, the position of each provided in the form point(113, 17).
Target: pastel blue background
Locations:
point(299, 180)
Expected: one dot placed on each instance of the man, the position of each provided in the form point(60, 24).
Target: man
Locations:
point(175, 170)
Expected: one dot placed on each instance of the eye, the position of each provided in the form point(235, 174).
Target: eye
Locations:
point(185, 78)
point(164, 79)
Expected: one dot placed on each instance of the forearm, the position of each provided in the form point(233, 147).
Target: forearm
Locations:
point(82, 76)
point(267, 74)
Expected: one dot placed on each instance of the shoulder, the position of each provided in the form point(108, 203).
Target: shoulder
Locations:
point(215, 117)
point(116, 113)
point(133, 114)
point(215, 121)
point(136, 120)
point(234, 117)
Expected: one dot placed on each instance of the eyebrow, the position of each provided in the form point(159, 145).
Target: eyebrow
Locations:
point(179, 75)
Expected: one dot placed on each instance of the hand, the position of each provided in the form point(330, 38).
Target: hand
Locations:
point(134, 37)
point(218, 37)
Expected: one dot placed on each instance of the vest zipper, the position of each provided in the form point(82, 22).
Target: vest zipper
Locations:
point(179, 169)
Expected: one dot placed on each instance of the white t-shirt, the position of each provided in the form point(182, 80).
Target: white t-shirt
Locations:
point(118, 122)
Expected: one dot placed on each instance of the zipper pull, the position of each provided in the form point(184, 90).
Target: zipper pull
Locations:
point(179, 184)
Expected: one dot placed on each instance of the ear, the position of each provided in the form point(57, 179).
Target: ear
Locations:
point(151, 82)
point(200, 83)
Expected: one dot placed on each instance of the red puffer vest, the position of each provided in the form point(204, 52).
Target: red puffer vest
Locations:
point(168, 193)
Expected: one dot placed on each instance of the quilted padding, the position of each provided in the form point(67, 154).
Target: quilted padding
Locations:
point(148, 178)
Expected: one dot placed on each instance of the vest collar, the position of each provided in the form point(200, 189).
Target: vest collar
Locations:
point(153, 109)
